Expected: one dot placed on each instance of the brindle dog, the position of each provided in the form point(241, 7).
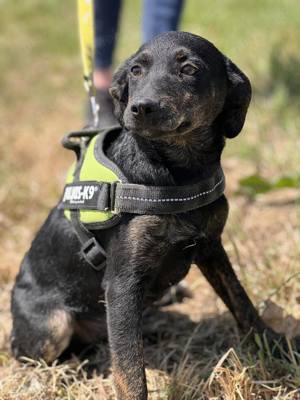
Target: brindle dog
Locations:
point(177, 100)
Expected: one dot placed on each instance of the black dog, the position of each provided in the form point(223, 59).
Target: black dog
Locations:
point(177, 99)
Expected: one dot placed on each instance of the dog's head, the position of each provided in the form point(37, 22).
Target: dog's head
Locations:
point(179, 82)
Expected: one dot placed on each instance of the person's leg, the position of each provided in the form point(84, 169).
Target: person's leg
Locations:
point(160, 16)
point(106, 25)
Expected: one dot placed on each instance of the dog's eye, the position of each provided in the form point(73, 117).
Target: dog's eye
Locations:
point(188, 69)
point(136, 70)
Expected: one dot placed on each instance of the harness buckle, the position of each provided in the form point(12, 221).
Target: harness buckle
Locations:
point(94, 254)
point(112, 197)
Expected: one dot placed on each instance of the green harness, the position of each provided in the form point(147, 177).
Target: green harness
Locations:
point(89, 169)
point(97, 193)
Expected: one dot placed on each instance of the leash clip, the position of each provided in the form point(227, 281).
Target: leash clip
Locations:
point(95, 110)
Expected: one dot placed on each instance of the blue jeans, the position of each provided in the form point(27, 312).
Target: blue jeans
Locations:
point(158, 16)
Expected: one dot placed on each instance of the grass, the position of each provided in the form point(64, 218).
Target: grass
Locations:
point(192, 350)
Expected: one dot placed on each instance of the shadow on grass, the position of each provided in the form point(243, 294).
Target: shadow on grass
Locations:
point(170, 338)
point(189, 360)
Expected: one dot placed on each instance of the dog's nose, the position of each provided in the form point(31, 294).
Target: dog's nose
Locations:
point(143, 107)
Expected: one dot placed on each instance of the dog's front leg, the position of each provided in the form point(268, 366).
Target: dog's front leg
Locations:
point(216, 267)
point(124, 297)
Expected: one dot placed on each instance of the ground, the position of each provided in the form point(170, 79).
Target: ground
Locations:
point(193, 350)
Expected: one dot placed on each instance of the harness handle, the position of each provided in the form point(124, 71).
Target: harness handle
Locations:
point(77, 140)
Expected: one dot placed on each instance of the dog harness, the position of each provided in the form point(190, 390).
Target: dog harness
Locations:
point(97, 193)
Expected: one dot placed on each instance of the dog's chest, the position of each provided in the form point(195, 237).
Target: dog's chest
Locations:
point(165, 246)
point(170, 271)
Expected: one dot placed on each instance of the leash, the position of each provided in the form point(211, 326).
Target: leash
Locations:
point(86, 35)
point(91, 250)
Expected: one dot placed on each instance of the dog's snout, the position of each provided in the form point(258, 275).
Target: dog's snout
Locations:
point(143, 107)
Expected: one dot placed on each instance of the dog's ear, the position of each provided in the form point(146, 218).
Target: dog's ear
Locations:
point(119, 90)
point(232, 117)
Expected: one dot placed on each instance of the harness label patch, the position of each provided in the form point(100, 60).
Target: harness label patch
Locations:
point(79, 194)
point(87, 195)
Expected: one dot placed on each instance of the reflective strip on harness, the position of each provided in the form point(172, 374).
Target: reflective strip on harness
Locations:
point(120, 197)
point(140, 199)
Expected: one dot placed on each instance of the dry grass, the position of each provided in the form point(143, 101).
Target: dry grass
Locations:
point(193, 350)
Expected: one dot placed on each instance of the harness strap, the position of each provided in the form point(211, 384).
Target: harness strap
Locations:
point(132, 198)
point(91, 250)
point(140, 199)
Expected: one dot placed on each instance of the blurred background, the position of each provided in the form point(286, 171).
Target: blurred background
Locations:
point(42, 97)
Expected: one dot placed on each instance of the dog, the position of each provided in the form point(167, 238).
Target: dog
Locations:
point(177, 99)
